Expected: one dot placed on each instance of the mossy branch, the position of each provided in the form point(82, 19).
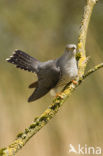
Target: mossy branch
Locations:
point(82, 36)
point(50, 112)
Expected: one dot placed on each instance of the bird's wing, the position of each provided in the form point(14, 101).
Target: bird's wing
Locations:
point(47, 79)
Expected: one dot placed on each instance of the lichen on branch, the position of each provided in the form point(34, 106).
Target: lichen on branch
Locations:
point(82, 36)
point(49, 113)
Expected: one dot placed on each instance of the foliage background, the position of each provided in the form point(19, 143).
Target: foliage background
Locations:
point(43, 28)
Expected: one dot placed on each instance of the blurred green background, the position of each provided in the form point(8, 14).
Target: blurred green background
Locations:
point(42, 29)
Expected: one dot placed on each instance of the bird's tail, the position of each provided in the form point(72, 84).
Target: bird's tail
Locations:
point(23, 61)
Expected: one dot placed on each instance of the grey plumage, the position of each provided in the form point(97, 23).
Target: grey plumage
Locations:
point(50, 74)
point(48, 77)
point(68, 65)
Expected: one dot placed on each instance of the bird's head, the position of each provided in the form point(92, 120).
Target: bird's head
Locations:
point(71, 48)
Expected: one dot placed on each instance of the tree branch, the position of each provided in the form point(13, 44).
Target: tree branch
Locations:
point(50, 112)
point(82, 36)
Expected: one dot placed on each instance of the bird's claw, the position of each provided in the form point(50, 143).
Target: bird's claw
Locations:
point(74, 82)
point(59, 95)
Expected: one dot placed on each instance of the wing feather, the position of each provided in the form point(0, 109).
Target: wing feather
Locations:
point(48, 77)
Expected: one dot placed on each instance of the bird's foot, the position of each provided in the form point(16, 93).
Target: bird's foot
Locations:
point(74, 82)
point(59, 95)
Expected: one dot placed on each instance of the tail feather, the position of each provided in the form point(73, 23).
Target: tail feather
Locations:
point(23, 61)
point(33, 85)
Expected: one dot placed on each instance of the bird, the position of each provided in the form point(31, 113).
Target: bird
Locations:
point(51, 74)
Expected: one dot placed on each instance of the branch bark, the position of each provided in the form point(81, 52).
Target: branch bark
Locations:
point(83, 34)
point(49, 113)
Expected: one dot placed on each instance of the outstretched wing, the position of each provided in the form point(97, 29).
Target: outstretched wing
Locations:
point(48, 77)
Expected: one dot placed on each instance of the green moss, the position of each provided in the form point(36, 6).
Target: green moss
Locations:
point(2, 151)
point(19, 135)
point(78, 56)
point(37, 123)
point(27, 130)
point(32, 126)
point(24, 136)
point(36, 119)
point(55, 106)
point(44, 118)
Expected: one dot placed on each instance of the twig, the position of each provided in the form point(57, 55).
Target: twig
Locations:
point(50, 112)
point(90, 71)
